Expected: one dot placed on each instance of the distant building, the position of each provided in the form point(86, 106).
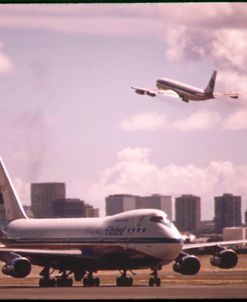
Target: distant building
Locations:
point(155, 201)
point(234, 233)
point(68, 207)
point(227, 210)
point(119, 203)
point(28, 211)
point(74, 208)
point(124, 202)
point(42, 196)
point(245, 217)
point(2, 210)
point(90, 211)
point(207, 227)
point(188, 213)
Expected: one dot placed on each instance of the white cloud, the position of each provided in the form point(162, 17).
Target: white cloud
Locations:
point(6, 64)
point(81, 18)
point(229, 47)
point(198, 121)
point(147, 121)
point(237, 121)
point(134, 173)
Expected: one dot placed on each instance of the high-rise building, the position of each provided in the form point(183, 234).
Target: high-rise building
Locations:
point(42, 196)
point(124, 202)
point(188, 213)
point(155, 201)
point(73, 207)
point(227, 211)
point(118, 203)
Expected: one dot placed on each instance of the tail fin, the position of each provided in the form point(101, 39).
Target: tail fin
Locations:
point(10, 206)
point(210, 87)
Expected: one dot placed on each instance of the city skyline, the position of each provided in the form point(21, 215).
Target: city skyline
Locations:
point(69, 113)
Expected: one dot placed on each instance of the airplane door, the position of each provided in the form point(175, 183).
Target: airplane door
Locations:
point(130, 242)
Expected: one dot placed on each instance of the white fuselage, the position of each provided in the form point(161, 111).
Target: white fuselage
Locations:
point(183, 90)
point(135, 231)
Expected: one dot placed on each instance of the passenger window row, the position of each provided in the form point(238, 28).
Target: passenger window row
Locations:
point(136, 230)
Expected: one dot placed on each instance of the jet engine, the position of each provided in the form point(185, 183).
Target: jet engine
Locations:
point(150, 93)
point(19, 267)
point(187, 265)
point(140, 91)
point(226, 258)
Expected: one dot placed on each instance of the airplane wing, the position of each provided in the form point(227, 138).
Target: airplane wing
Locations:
point(211, 245)
point(155, 92)
point(234, 95)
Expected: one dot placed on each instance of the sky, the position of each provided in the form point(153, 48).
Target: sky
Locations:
point(68, 113)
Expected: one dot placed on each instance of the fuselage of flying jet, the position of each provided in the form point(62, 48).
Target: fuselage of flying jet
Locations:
point(184, 90)
point(169, 87)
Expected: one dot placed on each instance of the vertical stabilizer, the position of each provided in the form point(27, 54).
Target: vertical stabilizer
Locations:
point(209, 90)
point(10, 206)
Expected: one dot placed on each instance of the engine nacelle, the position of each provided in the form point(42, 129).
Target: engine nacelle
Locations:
point(140, 91)
point(226, 258)
point(19, 268)
point(187, 265)
point(150, 93)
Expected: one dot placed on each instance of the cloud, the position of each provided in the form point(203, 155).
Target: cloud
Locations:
point(134, 173)
point(153, 121)
point(146, 121)
point(237, 121)
point(81, 18)
point(200, 120)
point(6, 65)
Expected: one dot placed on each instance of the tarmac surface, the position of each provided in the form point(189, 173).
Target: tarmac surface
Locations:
point(209, 283)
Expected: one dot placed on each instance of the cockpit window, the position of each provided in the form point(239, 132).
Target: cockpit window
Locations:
point(157, 219)
point(160, 219)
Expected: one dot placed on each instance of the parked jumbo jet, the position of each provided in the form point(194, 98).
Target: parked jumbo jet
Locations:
point(185, 92)
point(131, 240)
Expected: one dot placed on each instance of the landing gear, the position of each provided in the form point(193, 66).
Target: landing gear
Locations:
point(154, 280)
point(45, 280)
point(123, 280)
point(59, 281)
point(64, 281)
point(90, 281)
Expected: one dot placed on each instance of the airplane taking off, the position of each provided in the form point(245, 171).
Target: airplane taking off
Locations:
point(136, 239)
point(173, 88)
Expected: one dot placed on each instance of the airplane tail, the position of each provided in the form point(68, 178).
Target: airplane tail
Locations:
point(10, 205)
point(210, 87)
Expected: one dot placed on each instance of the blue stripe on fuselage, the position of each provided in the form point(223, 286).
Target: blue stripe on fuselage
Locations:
point(94, 240)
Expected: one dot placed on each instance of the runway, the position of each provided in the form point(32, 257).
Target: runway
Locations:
point(179, 291)
point(206, 285)
point(209, 283)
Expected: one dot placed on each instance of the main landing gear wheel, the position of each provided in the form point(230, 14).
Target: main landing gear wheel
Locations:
point(123, 280)
point(155, 280)
point(59, 281)
point(64, 281)
point(45, 280)
point(90, 281)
